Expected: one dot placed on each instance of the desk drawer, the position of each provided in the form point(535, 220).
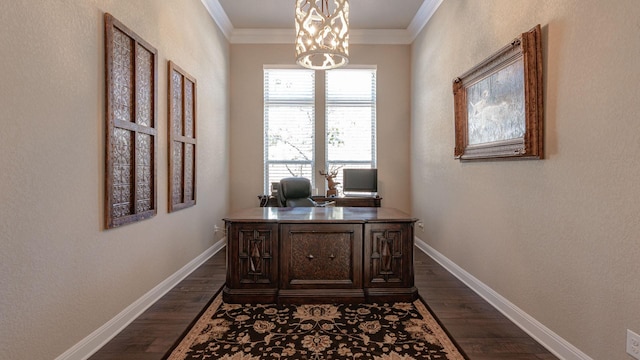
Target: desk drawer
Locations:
point(321, 256)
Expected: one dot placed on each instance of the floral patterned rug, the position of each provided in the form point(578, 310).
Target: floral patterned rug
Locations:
point(398, 331)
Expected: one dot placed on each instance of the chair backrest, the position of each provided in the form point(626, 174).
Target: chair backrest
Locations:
point(295, 192)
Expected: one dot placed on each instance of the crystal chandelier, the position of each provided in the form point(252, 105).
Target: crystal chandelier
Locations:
point(322, 34)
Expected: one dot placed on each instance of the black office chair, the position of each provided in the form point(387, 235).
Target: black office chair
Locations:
point(295, 192)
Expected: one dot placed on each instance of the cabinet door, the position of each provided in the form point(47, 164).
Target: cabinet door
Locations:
point(316, 256)
point(252, 255)
point(388, 255)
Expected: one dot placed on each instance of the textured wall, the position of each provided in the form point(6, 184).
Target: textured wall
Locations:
point(559, 238)
point(393, 115)
point(61, 275)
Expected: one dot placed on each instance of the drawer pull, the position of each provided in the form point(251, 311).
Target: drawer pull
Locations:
point(332, 257)
point(310, 257)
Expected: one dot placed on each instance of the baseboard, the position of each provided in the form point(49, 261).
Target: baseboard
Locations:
point(547, 338)
point(97, 339)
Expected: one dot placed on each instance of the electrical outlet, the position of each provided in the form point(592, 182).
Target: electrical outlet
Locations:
point(633, 344)
point(421, 225)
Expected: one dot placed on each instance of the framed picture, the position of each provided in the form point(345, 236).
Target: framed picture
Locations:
point(498, 104)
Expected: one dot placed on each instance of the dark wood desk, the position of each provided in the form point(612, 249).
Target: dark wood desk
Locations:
point(319, 254)
point(346, 201)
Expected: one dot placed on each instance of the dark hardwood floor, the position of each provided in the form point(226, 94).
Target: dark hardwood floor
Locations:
point(480, 330)
point(154, 332)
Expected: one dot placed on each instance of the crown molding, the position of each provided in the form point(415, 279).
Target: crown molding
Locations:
point(219, 16)
point(287, 36)
point(380, 36)
point(356, 36)
point(424, 14)
point(262, 36)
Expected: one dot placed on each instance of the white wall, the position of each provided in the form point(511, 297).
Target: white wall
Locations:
point(393, 118)
point(559, 238)
point(62, 275)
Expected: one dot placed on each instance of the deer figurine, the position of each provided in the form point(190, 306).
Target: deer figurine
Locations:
point(331, 183)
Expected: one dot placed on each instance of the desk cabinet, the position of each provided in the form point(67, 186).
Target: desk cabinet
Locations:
point(255, 264)
point(388, 271)
point(351, 201)
point(348, 201)
point(307, 255)
point(317, 257)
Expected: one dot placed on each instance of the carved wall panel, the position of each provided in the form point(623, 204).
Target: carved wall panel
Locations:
point(182, 139)
point(131, 134)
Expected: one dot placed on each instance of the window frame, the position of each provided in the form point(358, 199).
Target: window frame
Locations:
point(266, 161)
point(320, 111)
point(373, 104)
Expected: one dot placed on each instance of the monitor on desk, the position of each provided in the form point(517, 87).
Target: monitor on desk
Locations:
point(360, 182)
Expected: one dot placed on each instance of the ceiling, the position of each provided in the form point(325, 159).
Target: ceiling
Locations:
point(272, 21)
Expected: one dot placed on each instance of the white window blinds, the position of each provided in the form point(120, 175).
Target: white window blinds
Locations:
point(289, 123)
point(290, 105)
point(351, 119)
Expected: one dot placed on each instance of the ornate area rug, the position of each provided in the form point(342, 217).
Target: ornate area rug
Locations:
point(398, 331)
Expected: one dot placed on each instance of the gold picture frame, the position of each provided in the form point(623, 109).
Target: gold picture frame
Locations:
point(499, 104)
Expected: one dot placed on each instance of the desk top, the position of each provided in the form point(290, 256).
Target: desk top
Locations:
point(319, 214)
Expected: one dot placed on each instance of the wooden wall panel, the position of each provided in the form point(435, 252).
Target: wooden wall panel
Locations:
point(182, 138)
point(131, 133)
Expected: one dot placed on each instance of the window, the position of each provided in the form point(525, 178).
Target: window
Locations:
point(350, 119)
point(346, 111)
point(289, 123)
